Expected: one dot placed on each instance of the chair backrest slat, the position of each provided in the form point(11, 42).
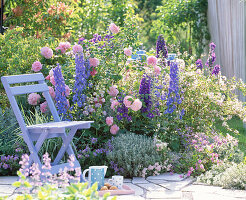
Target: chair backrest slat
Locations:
point(24, 78)
point(17, 90)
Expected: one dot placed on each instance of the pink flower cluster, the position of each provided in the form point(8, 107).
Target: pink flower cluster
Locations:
point(46, 52)
point(33, 99)
point(152, 60)
point(94, 62)
point(134, 105)
point(113, 91)
point(114, 128)
point(63, 47)
point(155, 169)
point(114, 29)
point(44, 107)
point(128, 51)
point(77, 49)
point(36, 66)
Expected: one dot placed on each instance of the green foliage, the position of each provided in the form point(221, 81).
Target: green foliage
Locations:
point(183, 23)
point(133, 152)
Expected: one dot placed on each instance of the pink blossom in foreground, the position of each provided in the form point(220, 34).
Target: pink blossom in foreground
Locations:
point(113, 91)
point(77, 49)
point(44, 107)
point(33, 99)
point(51, 73)
point(128, 51)
point(157, 70)
point(114, 129)
point(114, 29)
point(46, 52)
point(152, 60)
point(94, 62)
point(114, 104)
point(52, 92)
point(47, 77)
point(93, 72)
point(109, 121)
point(67, 92)
point(52, 80)
point(128, 101)
point(36, 66)
point(136, 105)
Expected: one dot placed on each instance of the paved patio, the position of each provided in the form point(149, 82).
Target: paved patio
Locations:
point(164, 186)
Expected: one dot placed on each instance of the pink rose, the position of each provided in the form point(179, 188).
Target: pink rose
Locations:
point(52, 80)
point(63, 46)
point(77, 49)
point(152, 60)
point(93, 72)
point(109, 121)
point(128, 51)
point(136, 105)
point(46, 52)
point(44, 107)
point(114, 29)
point(52, 92)
point(94, 62)
point(114, 129)
point(157, 70)
point(128, 101)
point(36, 66)
point(47, 77)
point(114, 104)
point(113, 91)
point(33, 99)
point(67, 92)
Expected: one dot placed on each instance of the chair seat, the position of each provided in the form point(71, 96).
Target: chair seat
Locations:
point(58, 127)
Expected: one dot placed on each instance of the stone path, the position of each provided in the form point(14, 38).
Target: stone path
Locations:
point(164, 186)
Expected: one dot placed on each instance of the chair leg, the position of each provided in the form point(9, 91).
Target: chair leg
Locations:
point(65, 146)
point(38, 145)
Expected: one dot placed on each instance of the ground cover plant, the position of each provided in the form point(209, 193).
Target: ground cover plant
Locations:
point(175, 108)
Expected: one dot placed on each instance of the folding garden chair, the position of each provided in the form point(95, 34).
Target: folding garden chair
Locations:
point(41, 132)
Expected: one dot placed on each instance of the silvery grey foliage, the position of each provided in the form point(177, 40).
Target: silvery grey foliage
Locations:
point(133, 152)
point(226, 175)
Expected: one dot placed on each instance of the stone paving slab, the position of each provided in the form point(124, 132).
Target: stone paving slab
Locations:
point(129, 197)
point(207, 196)
point(8, 180)
point(6, 189)
point(163, 194)
point(137, 180)
point(138, 191)
point(167, 177)
point(177, 185)
point(152, 187)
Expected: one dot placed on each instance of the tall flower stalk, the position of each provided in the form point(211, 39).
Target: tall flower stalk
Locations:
point(173, 96)
point(82, 71)
point(161, 48)
point(211, 56)
point(60, 91)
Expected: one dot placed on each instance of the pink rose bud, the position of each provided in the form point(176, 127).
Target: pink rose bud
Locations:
point(114, 129)
point(46, 52)
point(36, 66)
point(136, 105)
point(109, 121)
point(114, 29)
point(128, 51)
point(152, 60)
point(94, 62)
point(128, 100)
point(44, 107)
point(33, 99)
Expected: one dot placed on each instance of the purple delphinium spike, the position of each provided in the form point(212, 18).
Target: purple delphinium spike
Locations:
point(211, 56)
point(199, 64)
point(161, 48)
point(216, 70)
point(82, 71)
point(173, 96)
point(60, 91)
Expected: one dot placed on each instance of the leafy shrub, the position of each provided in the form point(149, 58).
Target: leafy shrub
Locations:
point(133, 152)
point(228, 175)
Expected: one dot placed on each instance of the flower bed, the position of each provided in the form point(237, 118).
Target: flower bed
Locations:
point(151, 116)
